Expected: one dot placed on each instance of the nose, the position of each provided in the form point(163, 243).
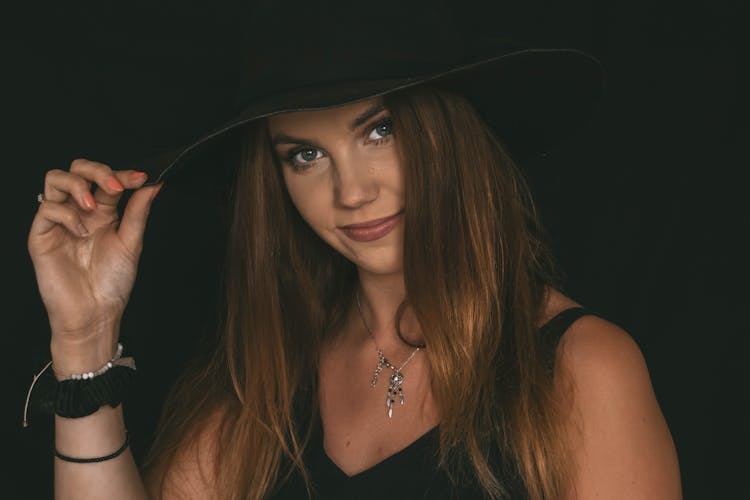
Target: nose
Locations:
point(354, 184)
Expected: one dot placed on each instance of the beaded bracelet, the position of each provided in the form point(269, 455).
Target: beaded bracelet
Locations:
point(107, 366)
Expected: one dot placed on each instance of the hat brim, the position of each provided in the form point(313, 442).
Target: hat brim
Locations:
point(531, 98)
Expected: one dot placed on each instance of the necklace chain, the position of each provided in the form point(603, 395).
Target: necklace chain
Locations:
point(397, 378)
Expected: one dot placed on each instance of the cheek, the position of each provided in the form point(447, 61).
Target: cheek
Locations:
point(393, 177)
point(308, 200)
point(386, 166)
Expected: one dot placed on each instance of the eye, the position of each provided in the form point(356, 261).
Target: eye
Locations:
point(303, 157)
point(381, 131)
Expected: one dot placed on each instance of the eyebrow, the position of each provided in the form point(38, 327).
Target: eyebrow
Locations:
point(368, 113)
point(358, 121)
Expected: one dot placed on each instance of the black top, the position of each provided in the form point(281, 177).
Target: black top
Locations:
point(411, 473)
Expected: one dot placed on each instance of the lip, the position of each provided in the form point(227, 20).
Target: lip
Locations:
point(371, 230)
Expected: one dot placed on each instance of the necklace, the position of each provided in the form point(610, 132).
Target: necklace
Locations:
point(397, 377)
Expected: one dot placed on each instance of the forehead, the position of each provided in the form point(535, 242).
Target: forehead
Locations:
point(345, 115)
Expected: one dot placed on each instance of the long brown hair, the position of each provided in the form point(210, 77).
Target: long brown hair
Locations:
point(475, 271)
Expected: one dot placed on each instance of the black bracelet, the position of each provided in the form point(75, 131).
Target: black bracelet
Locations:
point(81, 394)
point(79, 398)
point(97, 459)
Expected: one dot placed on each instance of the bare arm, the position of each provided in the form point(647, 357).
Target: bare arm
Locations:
point(94, 436)
point(623, 448)
point(85, 260)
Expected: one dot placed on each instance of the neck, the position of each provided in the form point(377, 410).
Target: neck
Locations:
point(380, 296)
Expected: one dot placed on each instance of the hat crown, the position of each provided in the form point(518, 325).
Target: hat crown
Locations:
point(292, 45)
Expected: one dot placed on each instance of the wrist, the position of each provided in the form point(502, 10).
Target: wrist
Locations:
point(70, 357)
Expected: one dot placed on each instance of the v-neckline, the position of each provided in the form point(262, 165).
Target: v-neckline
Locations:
point(379, 465)
point(338, 471)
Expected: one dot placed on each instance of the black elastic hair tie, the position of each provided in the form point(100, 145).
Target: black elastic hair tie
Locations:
point(97, 459)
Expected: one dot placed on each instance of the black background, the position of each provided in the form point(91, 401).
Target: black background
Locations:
point(646, 207)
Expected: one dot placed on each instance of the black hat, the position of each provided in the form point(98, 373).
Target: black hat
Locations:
point(304, 55)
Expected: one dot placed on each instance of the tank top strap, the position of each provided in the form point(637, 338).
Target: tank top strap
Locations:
point(553, 330)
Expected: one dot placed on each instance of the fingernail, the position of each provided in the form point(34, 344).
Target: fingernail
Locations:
point(88, 201)
point(136, 176)
point(155, 192)
point(114, 184)
point(82, 230)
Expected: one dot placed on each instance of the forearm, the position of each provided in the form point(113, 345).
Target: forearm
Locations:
point(95, 435)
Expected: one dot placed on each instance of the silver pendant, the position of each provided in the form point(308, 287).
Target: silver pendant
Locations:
point(394, 386)
point(394, 389)
point(396, 380)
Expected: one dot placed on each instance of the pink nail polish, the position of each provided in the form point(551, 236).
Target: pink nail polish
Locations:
point(88, 201)
point(114, 184)
point(136, 176)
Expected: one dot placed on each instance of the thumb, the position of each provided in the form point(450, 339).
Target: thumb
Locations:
point(133, 222)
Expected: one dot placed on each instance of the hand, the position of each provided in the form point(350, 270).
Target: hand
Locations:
point(85, 261)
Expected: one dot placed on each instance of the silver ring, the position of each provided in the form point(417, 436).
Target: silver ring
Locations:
point(40, 197)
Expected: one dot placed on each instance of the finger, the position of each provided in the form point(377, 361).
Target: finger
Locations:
point(130, 179)
point(52, 214)
point(109, 187)
point(133, 222)
point(59, 185)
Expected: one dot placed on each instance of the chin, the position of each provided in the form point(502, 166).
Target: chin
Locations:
point(380, 263)
point(381, 270)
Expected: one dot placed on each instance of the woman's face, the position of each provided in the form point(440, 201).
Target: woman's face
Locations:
point(341, 168)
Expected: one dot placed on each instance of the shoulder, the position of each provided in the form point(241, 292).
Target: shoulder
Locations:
point(597, 351)
point(192, 471)
point(621, 444)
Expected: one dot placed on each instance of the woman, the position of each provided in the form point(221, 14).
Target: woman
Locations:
point(393, 323)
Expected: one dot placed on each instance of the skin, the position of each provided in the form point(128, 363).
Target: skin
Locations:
point(620, 443)
point(85, 279)
point(355, 177)
point(623, 450)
